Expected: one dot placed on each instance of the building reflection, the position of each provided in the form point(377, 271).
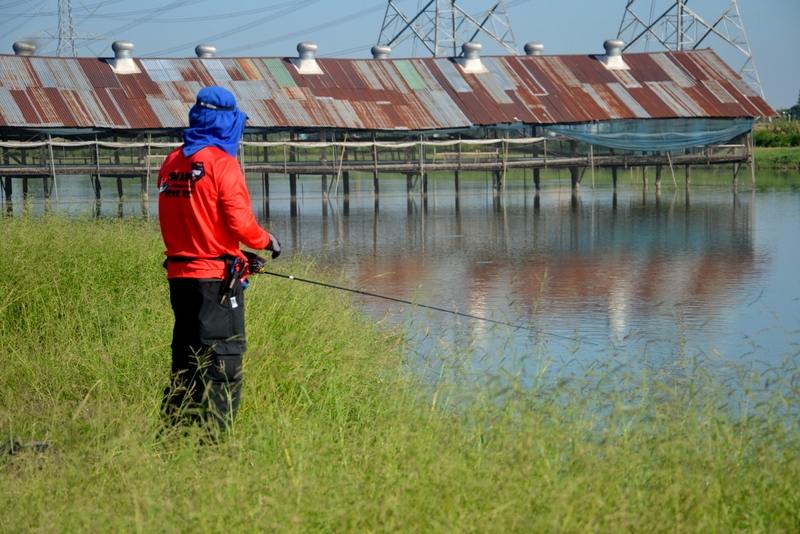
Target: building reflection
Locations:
point(618, 259)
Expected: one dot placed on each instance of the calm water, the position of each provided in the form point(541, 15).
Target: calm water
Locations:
point(651, 277)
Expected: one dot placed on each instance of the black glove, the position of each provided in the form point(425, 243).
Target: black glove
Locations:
point(274, 246)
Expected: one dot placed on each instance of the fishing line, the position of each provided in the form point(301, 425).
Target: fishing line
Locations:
point(428, 306)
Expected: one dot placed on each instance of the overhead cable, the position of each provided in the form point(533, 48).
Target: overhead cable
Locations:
point(305, 31)
point(237, 29)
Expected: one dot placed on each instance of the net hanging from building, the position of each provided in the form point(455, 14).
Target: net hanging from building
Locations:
point(655, 135)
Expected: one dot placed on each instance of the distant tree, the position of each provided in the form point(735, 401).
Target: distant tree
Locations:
point(794, 111)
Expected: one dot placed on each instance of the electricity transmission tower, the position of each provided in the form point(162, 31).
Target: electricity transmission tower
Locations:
point(442, 26)
point(672, 25)
point(66, 30)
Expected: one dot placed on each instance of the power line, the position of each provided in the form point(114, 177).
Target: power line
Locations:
point(82, 7)
point(237, 29)
point(366, 46)
point(151, 14)
point(304, 31)
point(130, 15)
point(19, 26)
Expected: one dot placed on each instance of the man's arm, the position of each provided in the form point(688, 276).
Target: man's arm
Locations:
point(235, 203)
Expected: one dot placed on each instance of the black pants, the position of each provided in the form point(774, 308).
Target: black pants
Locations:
point(208, 341)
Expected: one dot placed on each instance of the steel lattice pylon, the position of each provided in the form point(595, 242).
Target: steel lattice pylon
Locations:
point(672, 25)
point(442, 26)
point(66, 30)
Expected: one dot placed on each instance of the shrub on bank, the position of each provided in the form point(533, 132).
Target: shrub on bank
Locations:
point(335, 433)
point(778, 133)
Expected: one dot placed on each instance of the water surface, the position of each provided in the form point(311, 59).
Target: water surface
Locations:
point(639, 275)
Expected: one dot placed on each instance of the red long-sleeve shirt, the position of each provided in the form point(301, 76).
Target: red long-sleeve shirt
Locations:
point(204, 211)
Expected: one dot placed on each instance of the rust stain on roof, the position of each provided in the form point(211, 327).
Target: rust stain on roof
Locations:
point(366, 94)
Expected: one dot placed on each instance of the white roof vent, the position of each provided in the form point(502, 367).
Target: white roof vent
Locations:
point(123, 62)
point(306, 63)
point(381, 52)
point(24, 48)
point(613, 58)
point(534, 49)
point(205, 50)
point(471, 60)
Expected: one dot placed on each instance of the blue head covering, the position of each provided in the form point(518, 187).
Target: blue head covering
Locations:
point(214, 120)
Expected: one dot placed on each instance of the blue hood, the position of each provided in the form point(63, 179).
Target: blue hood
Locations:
point(214, 120)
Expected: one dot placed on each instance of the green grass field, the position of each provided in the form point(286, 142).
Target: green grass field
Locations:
point(335, 431)
point(785, 158)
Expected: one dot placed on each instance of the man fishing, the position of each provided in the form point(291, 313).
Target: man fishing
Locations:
point(205, 214)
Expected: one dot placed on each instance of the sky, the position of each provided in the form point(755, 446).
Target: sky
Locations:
point(348, 28)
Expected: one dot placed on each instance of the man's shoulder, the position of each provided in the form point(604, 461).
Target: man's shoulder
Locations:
point(172, 159)
point(213, 154)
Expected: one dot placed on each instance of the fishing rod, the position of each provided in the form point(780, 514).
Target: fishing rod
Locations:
point(410, 303)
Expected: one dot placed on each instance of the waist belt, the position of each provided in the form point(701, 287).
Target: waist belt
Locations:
point(235, 269)
point(189, 259)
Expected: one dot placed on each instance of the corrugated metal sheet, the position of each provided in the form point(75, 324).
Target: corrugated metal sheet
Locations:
point(17, 73)
point(453, 76)
point(629, 101)
point(388, 94)
point(410, 74)
point(9, 110)
point(674, 70)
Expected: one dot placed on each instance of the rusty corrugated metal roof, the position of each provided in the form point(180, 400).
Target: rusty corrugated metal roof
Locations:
point(392, 94)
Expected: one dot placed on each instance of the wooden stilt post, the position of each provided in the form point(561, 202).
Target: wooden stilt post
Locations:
point(7, 186)
point(457, 177)
point(293, 194)
point(375, 185)
point(346, 192)
point(120, 189)
point(644, 177)
point(52, 162)
point(24, 161)
point(658, 177)
point(613, 174)
point(574, 172)
point(265, 177)
point(504, 148)
point(422, 175)
point(145, 182)
point(575, 178)
point(45, 178)
point(96, 178)
point(752, 157)
point(292, 177)
point(688, 175)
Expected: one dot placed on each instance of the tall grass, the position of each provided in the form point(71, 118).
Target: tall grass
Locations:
point(784, 158)
point(335, 433)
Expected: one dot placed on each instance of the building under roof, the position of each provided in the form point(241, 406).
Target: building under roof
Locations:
point(645, 105)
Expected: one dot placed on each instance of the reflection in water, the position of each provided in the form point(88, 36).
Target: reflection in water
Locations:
point(633, 270)
point(603, 267)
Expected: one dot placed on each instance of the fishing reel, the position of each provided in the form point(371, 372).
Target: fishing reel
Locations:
point(255, 263)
